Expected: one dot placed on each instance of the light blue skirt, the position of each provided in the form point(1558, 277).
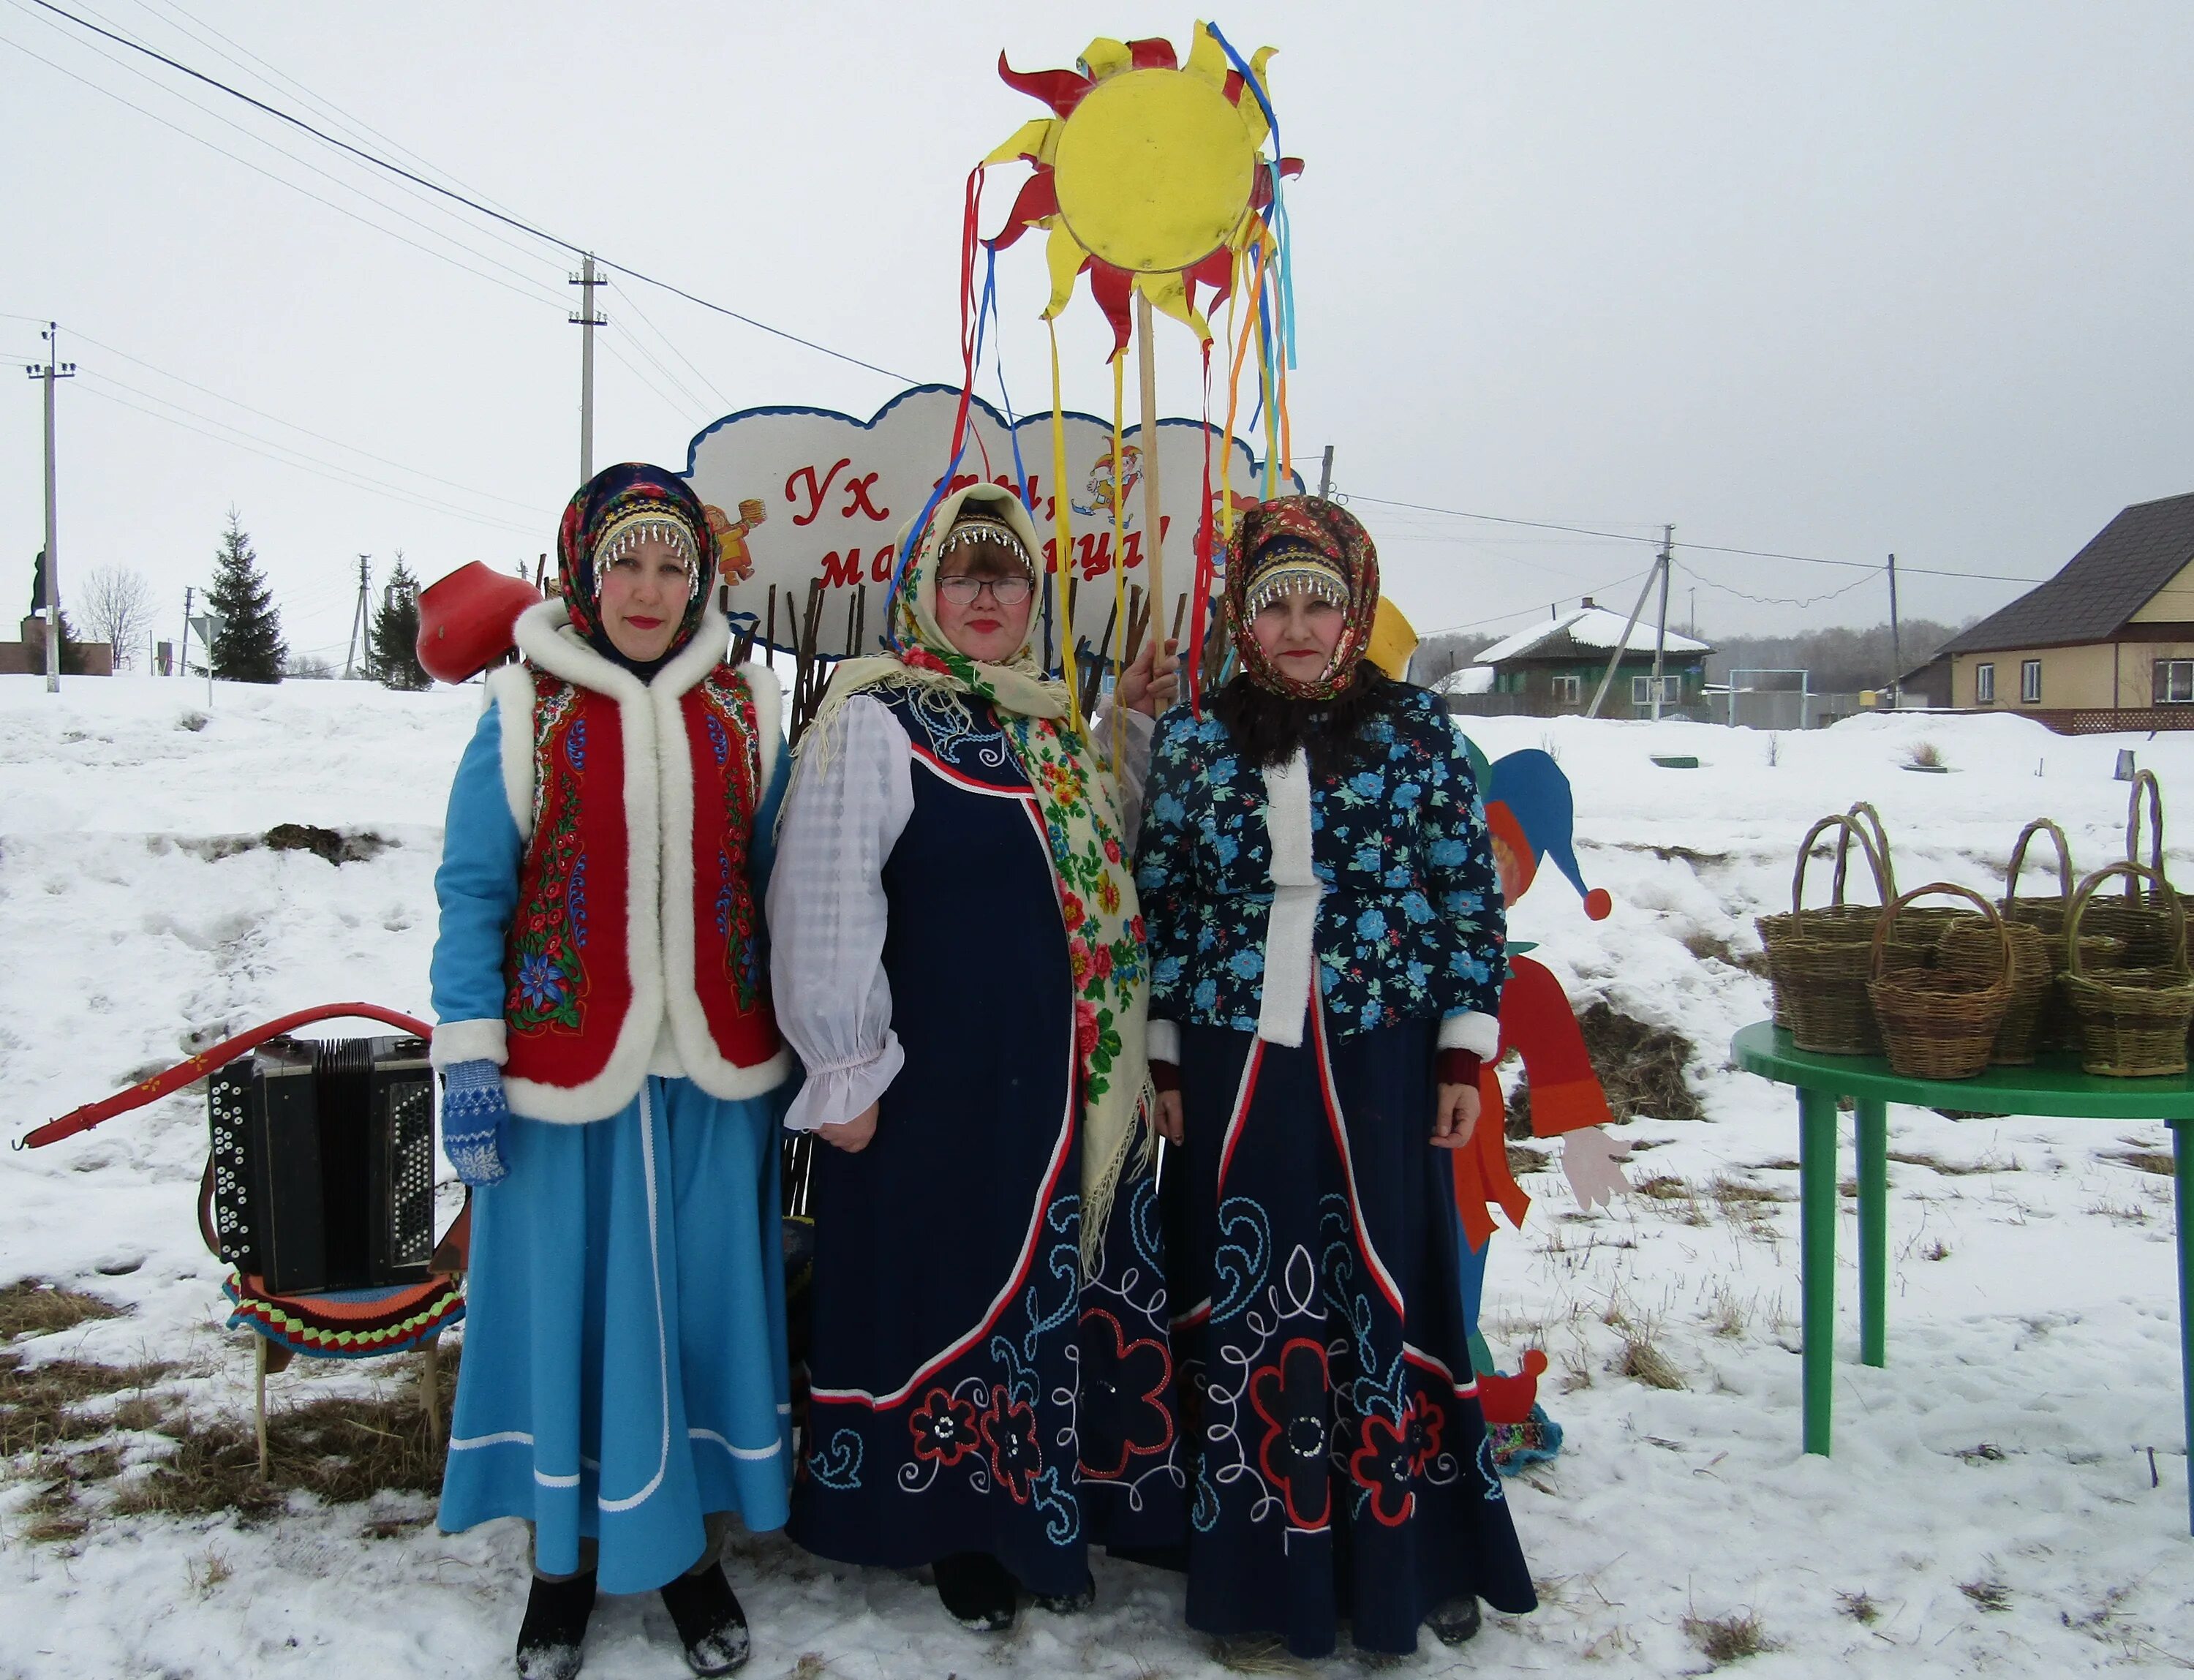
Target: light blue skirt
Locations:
point(624, 1363)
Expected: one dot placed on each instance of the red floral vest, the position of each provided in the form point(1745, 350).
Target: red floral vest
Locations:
point(577, 959)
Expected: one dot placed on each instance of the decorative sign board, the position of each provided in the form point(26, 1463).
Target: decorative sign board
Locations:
point(807, 494)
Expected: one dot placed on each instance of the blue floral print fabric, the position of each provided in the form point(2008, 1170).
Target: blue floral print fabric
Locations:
point(1410, 927)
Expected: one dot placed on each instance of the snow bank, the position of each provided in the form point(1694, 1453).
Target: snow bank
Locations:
point(2033, 1340)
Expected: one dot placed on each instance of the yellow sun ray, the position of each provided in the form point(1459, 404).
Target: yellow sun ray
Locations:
point(1037, 138)
point(1105, 56)
point(1168, 294)
point(1207, 60)
point(1064, 254)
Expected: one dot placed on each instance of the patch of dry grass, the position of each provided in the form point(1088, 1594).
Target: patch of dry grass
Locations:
point(1990, 1163)
point(1257, 1656)
point(2157, 1161)
point(1726, 1639)
point(1859, 1606)
point(1642, 1360)
point(341, 1450)
point(34, 1307)
point(1640, 1067)
point(1988, 1595)
point(42, 1406)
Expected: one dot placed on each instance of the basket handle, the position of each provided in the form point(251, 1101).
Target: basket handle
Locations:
point(1885, 877)
point(2039, 826)
point(2144, 779)
point(1805, 855)
point(2133, 873)
point(1889, 917)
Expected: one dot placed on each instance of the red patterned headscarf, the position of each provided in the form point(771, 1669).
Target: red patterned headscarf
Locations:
point(1322, 541)
point(629, 500)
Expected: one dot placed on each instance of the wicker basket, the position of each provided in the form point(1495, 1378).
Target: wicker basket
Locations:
point(2055, 1028)
point(1971, 947)
point(2133, 1023)
point(2140, 918)
point(1817, 958)
point(1939, 1023)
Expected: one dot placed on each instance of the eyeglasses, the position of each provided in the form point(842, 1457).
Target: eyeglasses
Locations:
point(963, 590)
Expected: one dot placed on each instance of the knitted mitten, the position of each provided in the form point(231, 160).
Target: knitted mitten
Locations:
point(474, 1119)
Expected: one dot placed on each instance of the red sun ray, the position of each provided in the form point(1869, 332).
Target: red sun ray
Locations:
point(1234, 86)
point(1154, 54)
point(1039, 198)
point(1215, 271)
point(1061, 90)
point(1113, 289)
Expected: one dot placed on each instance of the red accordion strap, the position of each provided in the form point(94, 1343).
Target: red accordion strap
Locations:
point(205, 1062)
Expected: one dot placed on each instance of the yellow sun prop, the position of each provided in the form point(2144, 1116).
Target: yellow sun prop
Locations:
point(1149, 174)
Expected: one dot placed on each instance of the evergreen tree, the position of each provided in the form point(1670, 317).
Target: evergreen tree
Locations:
point(392, 655)
point(248, 647)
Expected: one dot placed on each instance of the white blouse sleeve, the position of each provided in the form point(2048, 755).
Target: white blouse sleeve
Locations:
point(827, 913)
point(1133, 743)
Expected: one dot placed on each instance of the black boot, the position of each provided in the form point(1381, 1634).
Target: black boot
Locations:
point(1068, 1603)
point(551, 1638)
point(710, 1623)
point(1455, 1621)
point(976, 1590)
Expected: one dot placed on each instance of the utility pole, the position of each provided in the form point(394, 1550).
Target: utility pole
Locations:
point(1621, 641)
point(1326, 474)
point(1896, 647)
point(358, 620)
point(49, 371)
point(183, 648)
point(587, 320)
point(1661, 628)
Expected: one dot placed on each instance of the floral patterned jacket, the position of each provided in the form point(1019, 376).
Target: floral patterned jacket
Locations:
point(1410, 926)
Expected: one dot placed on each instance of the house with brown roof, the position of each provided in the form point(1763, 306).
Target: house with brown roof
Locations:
point(2108, 643)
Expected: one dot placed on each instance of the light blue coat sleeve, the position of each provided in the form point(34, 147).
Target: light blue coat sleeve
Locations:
point(477, 884)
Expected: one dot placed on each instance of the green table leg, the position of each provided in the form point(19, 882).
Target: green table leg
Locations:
point(1873, 1231)
point(1817, 1195)
point(2182, 1150)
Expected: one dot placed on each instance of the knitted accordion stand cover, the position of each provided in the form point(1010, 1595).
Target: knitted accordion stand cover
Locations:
point(347, 1324)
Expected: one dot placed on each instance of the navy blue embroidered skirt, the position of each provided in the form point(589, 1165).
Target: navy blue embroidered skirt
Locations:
point(969, 1391)
point(1340, 1465)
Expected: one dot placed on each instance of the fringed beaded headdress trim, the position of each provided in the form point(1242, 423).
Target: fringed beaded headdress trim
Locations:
point(627, 530)
point(986, 528)
point(1288, 568)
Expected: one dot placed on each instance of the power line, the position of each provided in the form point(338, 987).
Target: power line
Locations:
point(291, 425)
point(322, 470)
point(1774, 600)
point(472, 203)
point(1697, 547)
point(284, 180)
point(259, 139)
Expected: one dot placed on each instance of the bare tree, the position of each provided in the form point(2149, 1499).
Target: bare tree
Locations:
point(118, 605)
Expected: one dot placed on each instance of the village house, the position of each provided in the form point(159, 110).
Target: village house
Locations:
point(2106, 644)
point(1553, 668)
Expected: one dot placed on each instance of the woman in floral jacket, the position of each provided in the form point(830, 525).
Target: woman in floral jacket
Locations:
point(959, 962)
point(1326, 940)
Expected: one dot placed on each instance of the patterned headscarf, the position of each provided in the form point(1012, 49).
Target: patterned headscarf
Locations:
point(1104, 940)
point(1307, 544)
point(618, 507)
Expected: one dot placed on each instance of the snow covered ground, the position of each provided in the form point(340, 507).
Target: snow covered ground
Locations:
point(1990, 1495)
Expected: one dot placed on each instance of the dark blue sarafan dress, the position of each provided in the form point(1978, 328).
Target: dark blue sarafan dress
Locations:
point(1339, 1463)
point(969, 1391)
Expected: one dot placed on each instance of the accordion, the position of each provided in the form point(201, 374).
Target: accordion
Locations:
point(323, 1162)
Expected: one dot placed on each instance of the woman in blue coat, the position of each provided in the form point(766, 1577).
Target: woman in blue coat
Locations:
point(612, 1073)
point(1326, 947)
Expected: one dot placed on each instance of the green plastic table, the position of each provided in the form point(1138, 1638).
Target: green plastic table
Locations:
point(2054, 1086)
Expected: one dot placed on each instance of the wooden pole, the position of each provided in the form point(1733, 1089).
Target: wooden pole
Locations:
point(1147, 377)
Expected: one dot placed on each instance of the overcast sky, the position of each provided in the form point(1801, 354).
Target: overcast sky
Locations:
point(1829, 280)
